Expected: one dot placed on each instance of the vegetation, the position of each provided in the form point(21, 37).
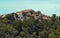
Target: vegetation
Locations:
point(29, 28)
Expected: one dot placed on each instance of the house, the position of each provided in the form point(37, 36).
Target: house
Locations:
point(44, 17)
point(19, 13)
point(29, 13)
point(3, 16)
point(35, 17)
point(28, 10)
point(19, 16)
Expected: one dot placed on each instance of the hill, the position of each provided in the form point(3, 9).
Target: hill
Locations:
point(29, 24)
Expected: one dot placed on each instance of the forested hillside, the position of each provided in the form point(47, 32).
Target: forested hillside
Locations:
point(29, 24)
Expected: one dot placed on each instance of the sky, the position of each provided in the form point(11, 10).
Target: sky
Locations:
point(47, 7)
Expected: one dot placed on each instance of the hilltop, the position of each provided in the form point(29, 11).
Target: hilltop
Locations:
point(29, 24)
point(20, 15)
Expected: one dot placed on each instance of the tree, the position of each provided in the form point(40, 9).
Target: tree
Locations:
point(52, 35)
point(54, 19)
point(10, 17)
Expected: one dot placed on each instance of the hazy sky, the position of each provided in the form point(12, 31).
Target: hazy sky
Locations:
point(47, 7)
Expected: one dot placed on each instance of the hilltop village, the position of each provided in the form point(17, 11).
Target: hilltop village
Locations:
point(29, 24)
point(20, 15)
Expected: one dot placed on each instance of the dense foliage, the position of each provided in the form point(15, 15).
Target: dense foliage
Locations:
point(29, 28)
